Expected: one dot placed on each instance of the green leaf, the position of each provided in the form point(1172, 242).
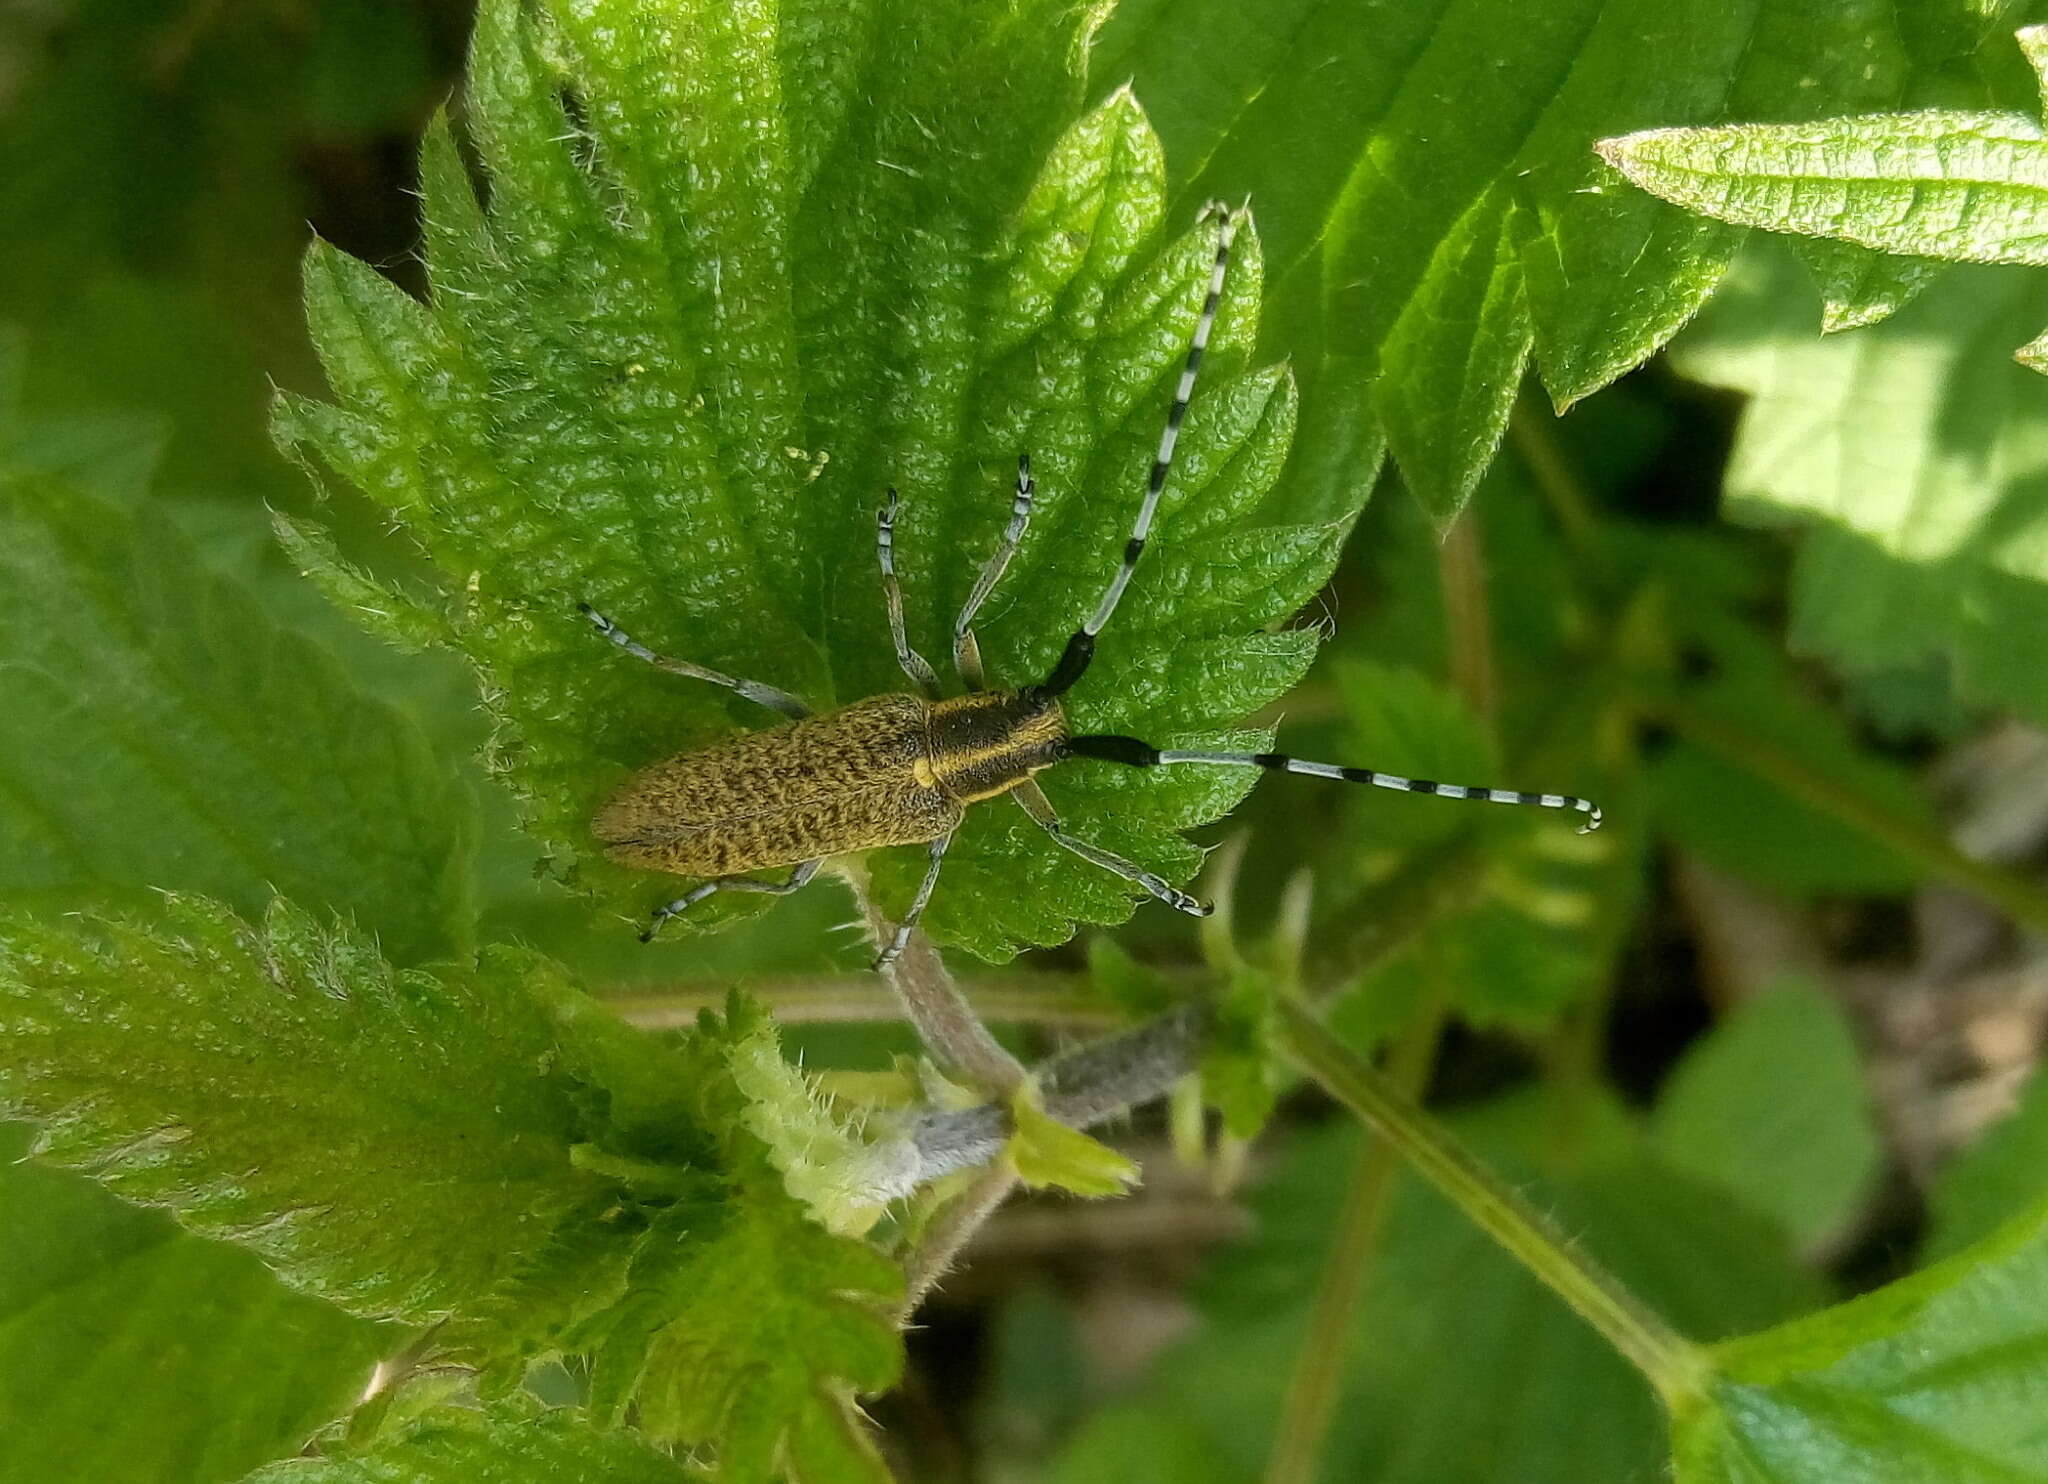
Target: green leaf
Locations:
point(1241, 1077)
point(843, 1180)
point(1912, 454)
point(1120, 980)
point(1859, 287)
point(478, 1145)
point(131, 1350)
point(154, 193)
point(204, 744)
point(423, 1111)
point(1771, 1105)
point(1966, 187)
point(1712, 795)
point(456, 1447)
point(640, 385)
point(1924, 1380)
point(1435, 244)
point(1047, 1153)
point(1459, 1364)
point(1136, 1444)
point(2004, 1173)
point(1548, 913)
point(750, 1326)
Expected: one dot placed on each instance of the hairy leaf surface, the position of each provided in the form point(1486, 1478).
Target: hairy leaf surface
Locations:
point(451, 1447)
point(164, 729)
point(481, 1146)
point(1945, 184)
point(1915, 1382)
point(737, 274)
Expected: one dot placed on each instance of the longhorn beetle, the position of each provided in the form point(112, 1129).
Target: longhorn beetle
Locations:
point(901, 769)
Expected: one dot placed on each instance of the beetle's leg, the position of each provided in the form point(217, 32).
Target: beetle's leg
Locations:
point(893, 949)
point(915, 665)
point(798, 879)
point(966, 649)
point(1034, 802)
point(753, 690)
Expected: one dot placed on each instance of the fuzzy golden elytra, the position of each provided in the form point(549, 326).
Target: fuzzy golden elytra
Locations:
point(901, 769)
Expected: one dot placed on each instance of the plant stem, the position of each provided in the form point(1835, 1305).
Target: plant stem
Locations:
point(1013, 996)
point(1311, 1399)
point(951, 1031)
point(1532, 432)
point(1677, 1370)
point(1080, 1088)
point(1921, 843)
point(1468, 622)
point(951, 1230)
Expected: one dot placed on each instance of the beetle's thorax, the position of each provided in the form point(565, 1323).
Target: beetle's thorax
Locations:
point(987, 743)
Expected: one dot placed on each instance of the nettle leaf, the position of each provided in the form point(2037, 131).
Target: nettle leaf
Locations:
point(1426, 248)
point(483, 1146)
point(1967, 187)
point(737, 275)
point(460, 1447)
point(418, 1115)
point(1458, 1363)
point(1712, 799)
point(132, 1350)
point(741, 1319)
point(1552, 906)
point(752, 1326)
point(1916, 454)
point(1915, 1382)
point(1804, 1153)
point(2004, 1173)
point(163, 728)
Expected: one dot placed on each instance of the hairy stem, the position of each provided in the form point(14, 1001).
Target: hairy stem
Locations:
point(1004, 996)
point(1311, 1399)
point(1677, 1369)
point(1918, 842)
point(952, 1229)
point(1468, 619)
point(955, 1036)
point(1532, 432)
point(1080, 1088)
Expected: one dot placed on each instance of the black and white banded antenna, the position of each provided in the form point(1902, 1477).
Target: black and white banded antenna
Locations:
point(1138, 754)
point(1073, 662)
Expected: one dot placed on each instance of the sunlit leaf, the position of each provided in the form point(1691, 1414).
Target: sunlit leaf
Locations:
point(1918, 1382)
point(1435, 213)
point(1771, 1104)
point(642, 386)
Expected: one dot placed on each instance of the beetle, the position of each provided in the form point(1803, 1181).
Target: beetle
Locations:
point(903, 768)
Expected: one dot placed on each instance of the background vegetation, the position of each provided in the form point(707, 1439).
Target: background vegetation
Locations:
point(1777, 599)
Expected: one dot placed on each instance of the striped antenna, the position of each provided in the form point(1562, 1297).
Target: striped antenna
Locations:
point(1137, 754)
point(1081, 647)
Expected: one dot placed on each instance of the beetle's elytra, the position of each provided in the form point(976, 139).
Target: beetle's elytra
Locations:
point(902, 769)
point(890, 770)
